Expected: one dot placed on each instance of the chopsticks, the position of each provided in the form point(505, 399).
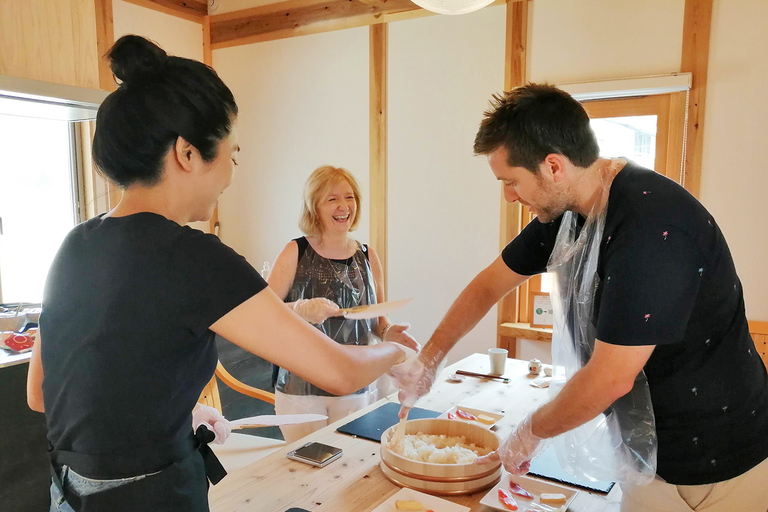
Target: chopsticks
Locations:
point(505, 380)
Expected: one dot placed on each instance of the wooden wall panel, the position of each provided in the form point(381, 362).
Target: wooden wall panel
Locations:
point(50, 40)
point(105, 38)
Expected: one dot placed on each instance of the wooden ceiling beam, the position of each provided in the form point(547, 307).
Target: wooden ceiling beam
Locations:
point(301, 17)
point(191, 10)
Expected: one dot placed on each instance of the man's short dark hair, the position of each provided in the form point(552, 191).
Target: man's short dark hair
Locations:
point(534, 121)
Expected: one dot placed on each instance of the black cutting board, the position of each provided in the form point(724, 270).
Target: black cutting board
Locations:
point(546, 466)
point(372, 425)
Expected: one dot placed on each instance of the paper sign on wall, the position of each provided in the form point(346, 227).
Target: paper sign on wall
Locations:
point(541, 310)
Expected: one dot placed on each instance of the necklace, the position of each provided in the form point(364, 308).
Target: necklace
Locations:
point(354, 284)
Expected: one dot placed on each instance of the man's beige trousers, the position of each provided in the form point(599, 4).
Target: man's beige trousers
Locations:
point(745, 493)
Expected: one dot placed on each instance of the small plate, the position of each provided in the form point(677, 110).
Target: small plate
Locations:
point(476, 412)
point(430, 502)
point(533, 486)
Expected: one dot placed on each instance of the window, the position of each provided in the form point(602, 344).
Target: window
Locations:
point(38, 201)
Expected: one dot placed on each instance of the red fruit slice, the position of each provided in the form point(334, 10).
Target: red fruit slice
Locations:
point(452, 416)
point(516, 489)
point(465, 415)
point(506, 499)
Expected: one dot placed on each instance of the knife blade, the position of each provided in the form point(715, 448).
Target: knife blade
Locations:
point(275, 420)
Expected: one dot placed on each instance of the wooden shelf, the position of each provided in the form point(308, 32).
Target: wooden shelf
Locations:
point(522, 330)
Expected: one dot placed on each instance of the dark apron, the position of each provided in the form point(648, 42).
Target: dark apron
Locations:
point(176, 487)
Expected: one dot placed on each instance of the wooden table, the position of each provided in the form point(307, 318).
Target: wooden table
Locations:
point(355, 483)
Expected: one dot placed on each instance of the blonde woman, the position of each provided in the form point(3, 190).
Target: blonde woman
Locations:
point(316, 275)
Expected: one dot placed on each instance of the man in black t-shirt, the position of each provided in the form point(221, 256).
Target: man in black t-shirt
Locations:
point(667, 301)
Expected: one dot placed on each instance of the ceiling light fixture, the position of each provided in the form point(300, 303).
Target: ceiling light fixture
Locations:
point(452, 6)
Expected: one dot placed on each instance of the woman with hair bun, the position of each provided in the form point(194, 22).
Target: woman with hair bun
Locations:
point(134, 297)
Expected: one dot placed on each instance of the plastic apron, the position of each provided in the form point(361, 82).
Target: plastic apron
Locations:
point(620, 444)
point(347, 283)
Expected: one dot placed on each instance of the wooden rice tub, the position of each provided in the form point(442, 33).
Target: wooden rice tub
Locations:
point(441, 479)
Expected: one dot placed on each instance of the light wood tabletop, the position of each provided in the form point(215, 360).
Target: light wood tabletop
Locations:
point(354, 483)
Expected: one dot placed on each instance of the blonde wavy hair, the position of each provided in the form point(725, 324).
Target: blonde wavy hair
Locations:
point(318, 186)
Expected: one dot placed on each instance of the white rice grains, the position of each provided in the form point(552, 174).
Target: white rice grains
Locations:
point(438, 449)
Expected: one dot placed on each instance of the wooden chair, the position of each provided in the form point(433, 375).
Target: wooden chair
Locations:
point(240, 449)
point(210, 395)
point(759, 332)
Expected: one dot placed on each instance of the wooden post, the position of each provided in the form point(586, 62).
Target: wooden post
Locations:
point(207, 52)
point(213, 223)
point(378, 143)
point(696, 31)
point(515, 69)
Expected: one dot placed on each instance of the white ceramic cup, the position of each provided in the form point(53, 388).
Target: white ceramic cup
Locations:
point(498, 357)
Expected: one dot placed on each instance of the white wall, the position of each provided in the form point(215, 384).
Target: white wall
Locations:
point(303, 103)
point(443, 203)
point(734, 176)
point(174, 35)
point(580, 40)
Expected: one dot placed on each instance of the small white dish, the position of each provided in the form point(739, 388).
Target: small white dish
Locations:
point(430, 502)
point(454, 377)
point(475, 412)
point(533, 486)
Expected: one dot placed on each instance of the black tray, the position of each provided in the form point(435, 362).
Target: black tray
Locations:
point(372, 425)
point(546, 466)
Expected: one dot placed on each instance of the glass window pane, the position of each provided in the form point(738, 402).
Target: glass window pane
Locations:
point(632, 137)
point(546, 282)
point(36, 202)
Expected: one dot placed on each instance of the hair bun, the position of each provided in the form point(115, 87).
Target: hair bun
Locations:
point(132, 55)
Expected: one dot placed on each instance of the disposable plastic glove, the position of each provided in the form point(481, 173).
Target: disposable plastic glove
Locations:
point(517, 450)
point(398, 333)
point(414, 378)
point(213, 420)
point(317, 310)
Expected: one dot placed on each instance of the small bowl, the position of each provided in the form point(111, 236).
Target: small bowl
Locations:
point(441, 479)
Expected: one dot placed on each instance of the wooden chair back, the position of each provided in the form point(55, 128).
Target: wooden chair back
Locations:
point(210, 395)
point(759, 332)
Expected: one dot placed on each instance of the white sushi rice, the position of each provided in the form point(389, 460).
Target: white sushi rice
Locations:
point(438, 449)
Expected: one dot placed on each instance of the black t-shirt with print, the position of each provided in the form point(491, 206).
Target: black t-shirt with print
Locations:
point(126, 348)
point(667, 278)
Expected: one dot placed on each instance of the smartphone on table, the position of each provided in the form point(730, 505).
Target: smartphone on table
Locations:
point(315, 454)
